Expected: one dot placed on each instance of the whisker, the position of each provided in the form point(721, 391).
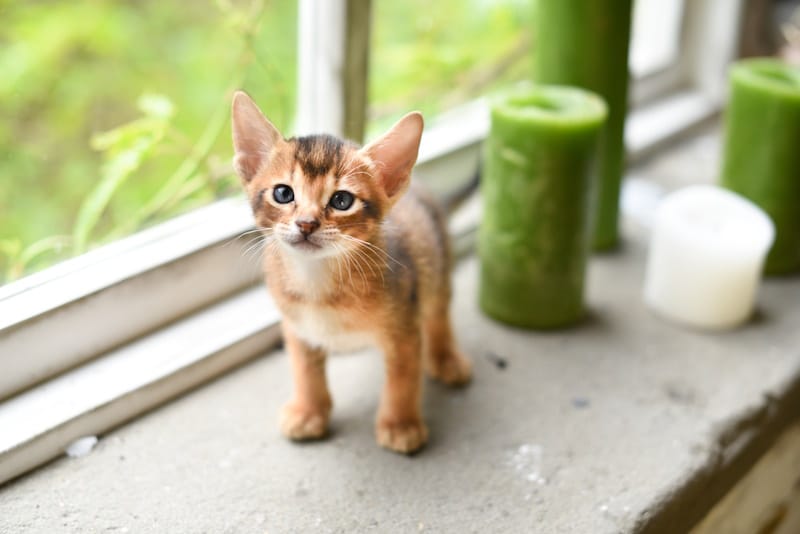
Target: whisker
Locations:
point(374, 248)
point(251, 253)
point(348, 269)
point(257, 230)
point(340, 257)
point(338, 261)
point(258, 246)
point(358, 266)
point(372, 263)
point(254, 242)
point(254, 230)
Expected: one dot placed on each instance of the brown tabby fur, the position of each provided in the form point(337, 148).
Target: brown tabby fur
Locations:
point(377, 273)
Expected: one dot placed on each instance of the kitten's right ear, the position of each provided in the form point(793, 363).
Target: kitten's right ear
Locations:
point(254, 137)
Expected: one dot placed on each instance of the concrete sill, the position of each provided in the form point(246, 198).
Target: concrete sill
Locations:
point(623, 424)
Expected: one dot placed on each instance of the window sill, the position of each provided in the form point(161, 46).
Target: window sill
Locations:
point(133, 379)
point(614, 426)
point(198, 250)
point(64, 316)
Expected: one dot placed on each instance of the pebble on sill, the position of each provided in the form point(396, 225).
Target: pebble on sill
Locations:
point(499, 362)
point(81, 446)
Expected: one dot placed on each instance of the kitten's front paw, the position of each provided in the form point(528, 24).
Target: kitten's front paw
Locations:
point(454, 370)
point(401, 436)
point(303, 423)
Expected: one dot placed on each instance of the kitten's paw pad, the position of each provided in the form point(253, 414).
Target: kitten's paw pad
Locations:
point(455, 370)
point(403, 437)
point(302, 423)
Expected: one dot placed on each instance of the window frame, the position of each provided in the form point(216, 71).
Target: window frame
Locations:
point(178, 271)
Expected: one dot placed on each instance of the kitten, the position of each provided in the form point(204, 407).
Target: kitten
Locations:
point(352, 259)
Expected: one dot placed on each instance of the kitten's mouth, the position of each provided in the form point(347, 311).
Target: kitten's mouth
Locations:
point(304, 244)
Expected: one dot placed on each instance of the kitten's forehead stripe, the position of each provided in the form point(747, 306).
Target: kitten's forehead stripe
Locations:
point(318, 155)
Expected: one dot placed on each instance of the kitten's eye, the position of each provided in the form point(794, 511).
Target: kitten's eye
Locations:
point(342, 200)
point(283, 194)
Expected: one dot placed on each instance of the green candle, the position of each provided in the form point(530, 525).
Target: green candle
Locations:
point(585, 43)
point(538, 190)
point(762, 150)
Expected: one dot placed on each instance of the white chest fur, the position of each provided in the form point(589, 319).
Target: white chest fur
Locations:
point(318, 324)
point(327, 328)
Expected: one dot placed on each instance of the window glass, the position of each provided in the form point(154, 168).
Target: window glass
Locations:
point(655, 36)
point(433, 56)
point(115, 113)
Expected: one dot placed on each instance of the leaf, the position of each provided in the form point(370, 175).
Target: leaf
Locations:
point(156, 106)
point(19, 259)
point(115, 172)
point(123, 136)
point(10, 249)
point(55, 244)
point(125, 148)
point(173, 191)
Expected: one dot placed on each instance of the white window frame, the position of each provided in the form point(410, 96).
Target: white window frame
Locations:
point(99, 339)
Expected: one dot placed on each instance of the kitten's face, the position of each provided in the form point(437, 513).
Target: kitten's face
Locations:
point(319, 196)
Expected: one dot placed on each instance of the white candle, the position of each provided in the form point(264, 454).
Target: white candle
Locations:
point(706, 254)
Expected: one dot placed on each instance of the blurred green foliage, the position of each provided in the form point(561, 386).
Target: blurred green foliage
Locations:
point(433, 55)
point(115, 112)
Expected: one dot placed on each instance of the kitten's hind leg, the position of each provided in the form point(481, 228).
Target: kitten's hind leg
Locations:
point(306, 416)
point(443, 360)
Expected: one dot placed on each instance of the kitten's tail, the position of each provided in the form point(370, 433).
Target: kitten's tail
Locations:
point(452, 200)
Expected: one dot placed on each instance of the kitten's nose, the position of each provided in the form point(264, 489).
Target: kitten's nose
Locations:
point(307, 226)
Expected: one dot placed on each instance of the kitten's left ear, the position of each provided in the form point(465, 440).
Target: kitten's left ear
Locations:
point(254, 137)
point(395, 153)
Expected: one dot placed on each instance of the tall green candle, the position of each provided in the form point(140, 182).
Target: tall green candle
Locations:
point(762, 150)
point(538, 190)
point(585, 43)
